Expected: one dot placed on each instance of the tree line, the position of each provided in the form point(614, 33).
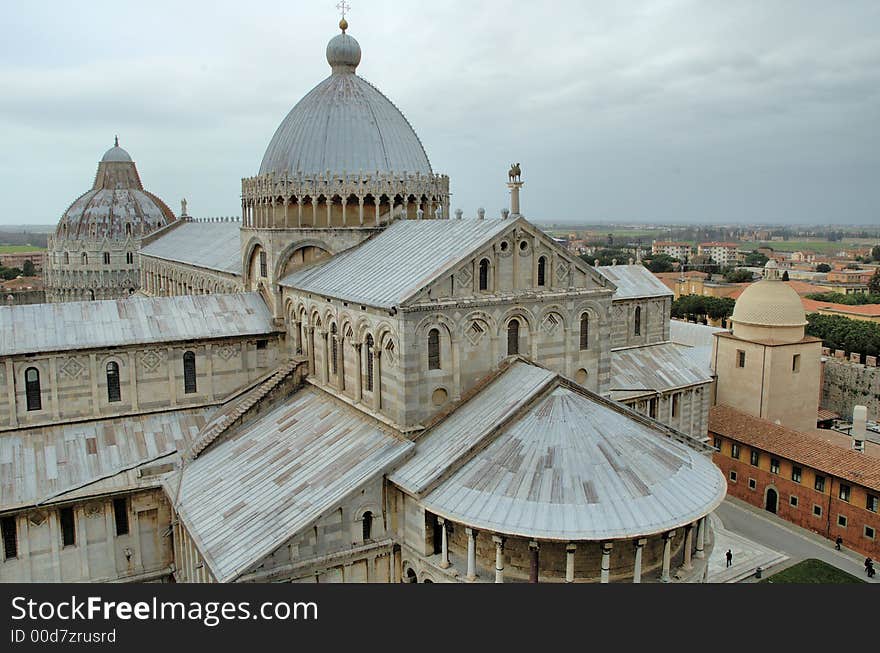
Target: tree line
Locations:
point(839, 332)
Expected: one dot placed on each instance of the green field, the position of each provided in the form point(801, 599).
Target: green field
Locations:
point(14, 249)
point(814, 572)
point(819, 246)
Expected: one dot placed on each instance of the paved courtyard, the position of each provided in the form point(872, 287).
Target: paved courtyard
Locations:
point(757, 537)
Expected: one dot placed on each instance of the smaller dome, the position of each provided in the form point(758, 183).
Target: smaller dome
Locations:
point(771, 303)
point(116, 154)
point(343, 53)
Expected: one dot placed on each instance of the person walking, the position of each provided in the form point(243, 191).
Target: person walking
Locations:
point(870, 568)
point(868, 564)
point(729, 556)
point(838, 542)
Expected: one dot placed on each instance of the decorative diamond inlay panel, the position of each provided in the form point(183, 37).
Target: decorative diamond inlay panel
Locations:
point(151, 360)
point(71, 368)
point(475, 333)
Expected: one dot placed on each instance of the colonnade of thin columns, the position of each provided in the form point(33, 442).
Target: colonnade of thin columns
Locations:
point(570, 550)
point(264, 213)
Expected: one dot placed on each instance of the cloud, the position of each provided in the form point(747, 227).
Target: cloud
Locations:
point(676, 110)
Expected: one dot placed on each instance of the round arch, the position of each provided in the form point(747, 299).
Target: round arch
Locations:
point(290, 250)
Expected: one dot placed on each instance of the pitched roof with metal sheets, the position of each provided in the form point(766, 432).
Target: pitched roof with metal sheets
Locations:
point(396, 264)
point(634, 281)
point(35, 328)
point(210, 245)
point(260, 485)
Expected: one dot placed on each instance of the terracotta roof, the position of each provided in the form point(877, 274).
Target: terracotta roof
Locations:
point(825, 414)
point(797, 446)
point(690, 274)
point(800, 287)
point(868, 310)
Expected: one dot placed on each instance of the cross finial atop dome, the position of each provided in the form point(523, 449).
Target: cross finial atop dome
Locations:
point(116, 141)
point(343, 8)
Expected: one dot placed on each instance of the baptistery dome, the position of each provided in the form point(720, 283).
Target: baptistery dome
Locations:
point(117, 204)
point(345, 124)
point(92, 252)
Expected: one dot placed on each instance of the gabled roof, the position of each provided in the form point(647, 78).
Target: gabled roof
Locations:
point(661, 367)
point(397, 263)
point(558, 462)
point(136, 320)
point(209, 245)
point(699, 338)
point(634, 281)
point(805, 448)
point(261, 484)
point(39, 464)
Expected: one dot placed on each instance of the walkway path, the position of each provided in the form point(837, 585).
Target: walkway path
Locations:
point(760, 528)
point(747, 555)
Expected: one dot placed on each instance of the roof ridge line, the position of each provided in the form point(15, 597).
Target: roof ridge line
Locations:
point(489, 435)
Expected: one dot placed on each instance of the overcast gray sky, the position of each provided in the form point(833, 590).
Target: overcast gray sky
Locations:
point(662, 110)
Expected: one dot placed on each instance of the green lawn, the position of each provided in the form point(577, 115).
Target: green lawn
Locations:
point(14, 249)
point(812, 571)
point(820, 246)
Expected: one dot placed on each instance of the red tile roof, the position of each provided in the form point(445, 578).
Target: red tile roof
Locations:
point(804, 448)
point(868, 310)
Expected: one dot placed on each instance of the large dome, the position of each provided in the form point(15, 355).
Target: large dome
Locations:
point(769, 303)
point(345, 124)
point(117, 205)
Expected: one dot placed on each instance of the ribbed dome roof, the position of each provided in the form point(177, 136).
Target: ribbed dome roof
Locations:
point(116, 153)
point(345, 124)
point(117, 205)
point(769, 302)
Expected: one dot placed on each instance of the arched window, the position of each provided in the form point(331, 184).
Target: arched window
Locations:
point(113, 393)
point(264, 266)
point(484, 274)
point(434, 349)
point(32, 389)
point(637, 329)
point(129, 258)
point(106, 258)
point(513, 338)
point(367, 525)
point(85, 258)
point(542, 270)
point(128, 229)
point(368, 344)
point(334, 349)
point(189, 373)
point(91, 295)
point(585, 332)
point(66, 258)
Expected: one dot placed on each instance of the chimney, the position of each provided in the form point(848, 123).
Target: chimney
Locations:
point(859, 428)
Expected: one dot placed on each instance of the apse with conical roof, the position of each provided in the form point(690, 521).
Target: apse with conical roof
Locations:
point(92, 252)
